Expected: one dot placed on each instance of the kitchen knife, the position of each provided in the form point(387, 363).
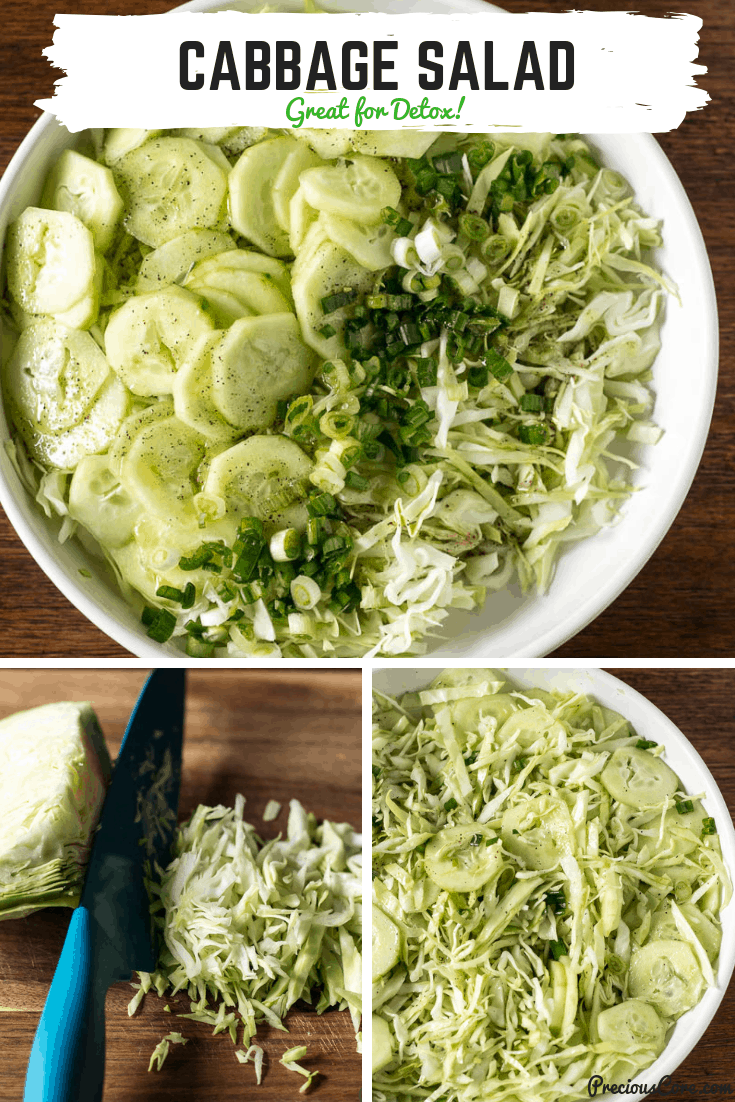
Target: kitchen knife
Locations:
point(111, 934)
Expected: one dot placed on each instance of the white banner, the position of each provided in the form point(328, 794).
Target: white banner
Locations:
point(587, 72)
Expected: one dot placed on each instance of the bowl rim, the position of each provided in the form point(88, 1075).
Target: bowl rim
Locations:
point(581, 613)
point(610, 686)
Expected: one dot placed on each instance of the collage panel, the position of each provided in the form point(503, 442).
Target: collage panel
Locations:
point(552, 862)
point(231, 943)
point(293, 392)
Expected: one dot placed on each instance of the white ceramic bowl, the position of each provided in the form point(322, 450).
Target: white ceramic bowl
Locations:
point(589, 575)
point(651, 723)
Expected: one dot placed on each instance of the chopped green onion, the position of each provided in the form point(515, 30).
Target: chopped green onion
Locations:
point(285, 545)
point(531, 403)
point(475, 839)
point(473, 227)
point(337, 300)
point(558, 949)
point(498, 365)
point(162, 625)
point(356, 481)
point(708, 826)
point(196, 647)
point(451, 804)
point(645, 744)
point(531, 434)
point(327, 331)
point(684, 807)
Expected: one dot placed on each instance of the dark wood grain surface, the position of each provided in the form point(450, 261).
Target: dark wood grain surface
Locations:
point(679, 604)
point(270, 735)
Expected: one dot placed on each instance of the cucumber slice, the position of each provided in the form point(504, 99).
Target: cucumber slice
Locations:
point(216, 155)
point(172, 262)
point(386, 943)
point(320, 272)
point(251, 195)
point(468, 714)
point(92, 435)
point(358, 190)
point(54, 376)
point(287, 182)
point(630, 1025)
point(223, 307)
point(258, 362)
point(85, 188)
point(382, 1044)
point(663, 927)
point(170, 185)
point(264, 476)
point(327, 143)
point(368, 244)
point(256, 292)
point(130, 428)
point(539, 832)
point(192, 393)
point(148, 338)
point(459, 859)
point(120, 140)
point(527, 726)
point(211, 134)
point(161, 466)
point(243, 138)
point(301, 217)
point(393, 143)
point(101, 504)
point(50, 261)
point(667, 974)
point(249, 261)
point(691, 821)
point(82, 315)
point(638, 779)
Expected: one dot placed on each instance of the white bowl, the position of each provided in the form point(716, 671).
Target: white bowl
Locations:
point(589, 575)
point(649, 722)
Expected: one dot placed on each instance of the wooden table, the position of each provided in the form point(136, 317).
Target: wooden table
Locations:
point(270, 735)
point(678, 604)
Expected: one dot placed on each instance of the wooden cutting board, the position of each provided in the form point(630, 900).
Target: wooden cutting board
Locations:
point(270, 734)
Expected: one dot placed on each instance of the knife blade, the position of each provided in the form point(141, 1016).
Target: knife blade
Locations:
point(111, 932)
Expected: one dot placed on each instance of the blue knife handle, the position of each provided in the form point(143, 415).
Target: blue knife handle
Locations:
point(67, 1061)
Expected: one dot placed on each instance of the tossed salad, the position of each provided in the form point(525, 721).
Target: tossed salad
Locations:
point(309, 391)
point(546, 894)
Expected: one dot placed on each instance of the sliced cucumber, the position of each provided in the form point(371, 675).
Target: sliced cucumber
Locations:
point(637, 778)
point(528, 725)
point(663, 926)
point(392, 143)
point(160, 468)
point(82, 315)
point(287, 181)
point(386, 943)
point(256, 292)
point(258, 362)
point(464, 858)
point(264, 476)
point(249, 261)
point(539, 832)
point(50, 261)
point(192, 391)
point(216, 155)
point(369, 244)
point(468, 713)
point(170, 186)
point(123, 139)
point(301, 217)
point(327, 143)
point(148, 338)
point(382, 1054)
point(212, 134)
point(321, 272)
point(130, 428)
point(667, 974)
point(172, 262)
point(691, 821)
point(358, 190)
point(92, 435)
point(54, 376)
point(85, 188)
point(632, 1024)
point(99, 502)
point(251, 195)
point(223, 307)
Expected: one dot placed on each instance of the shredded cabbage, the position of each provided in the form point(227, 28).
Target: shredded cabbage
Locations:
point(548, 896)
point(248, 928)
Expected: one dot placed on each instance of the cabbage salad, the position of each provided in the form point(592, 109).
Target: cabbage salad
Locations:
point(247, 928)
point(308, 391)
point(546, 894)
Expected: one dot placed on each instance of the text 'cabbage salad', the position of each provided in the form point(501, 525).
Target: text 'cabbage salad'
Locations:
point(248, 928)
point(311, 390)
point(546, 895)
